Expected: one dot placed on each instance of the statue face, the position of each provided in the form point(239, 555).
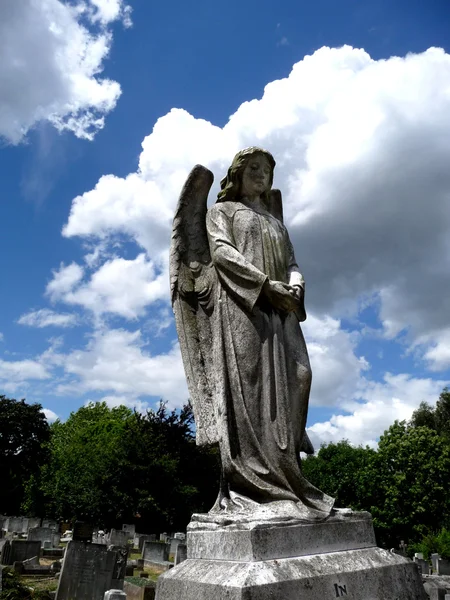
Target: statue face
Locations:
point(256, 176)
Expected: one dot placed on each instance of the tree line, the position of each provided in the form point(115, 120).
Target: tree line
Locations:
point(115, 465)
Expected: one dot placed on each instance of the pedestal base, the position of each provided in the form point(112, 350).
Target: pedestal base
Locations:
point(285, 563)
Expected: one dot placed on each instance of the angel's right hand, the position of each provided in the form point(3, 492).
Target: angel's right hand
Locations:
point(281, 295)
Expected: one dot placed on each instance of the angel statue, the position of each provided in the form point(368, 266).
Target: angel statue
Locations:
point(238, 298)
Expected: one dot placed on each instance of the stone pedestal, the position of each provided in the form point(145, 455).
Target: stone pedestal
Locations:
point(334, 559)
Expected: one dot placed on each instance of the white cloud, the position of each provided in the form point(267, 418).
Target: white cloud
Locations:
point(51, 65)
point(64, 280)
point(379, 405)
point(17, 371)
point(362, 151)
point(50, 415)
point(337, 371)
point(45, 317)
point(119, 286)
point(116, 362)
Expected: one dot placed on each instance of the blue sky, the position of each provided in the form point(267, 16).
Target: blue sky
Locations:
point(94, 155)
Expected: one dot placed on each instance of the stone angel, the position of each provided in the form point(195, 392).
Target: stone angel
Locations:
point(238, 299)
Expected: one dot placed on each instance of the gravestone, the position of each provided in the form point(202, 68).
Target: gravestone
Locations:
point(174, 543)
point(131, 529)
point(82, 532)
point(115, 595)
point(434, 558)
point(139, 539)
point(181, 554)
point(117, 537)
point(443, 566)
point(41, 534)
point(155, 552)
point(120, 566)
point(5, 553)
point(52, 524)
point(87, 572)
point(33, 522)
point(21, 550)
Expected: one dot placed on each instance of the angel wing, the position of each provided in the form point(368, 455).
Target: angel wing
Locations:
point(191, 282)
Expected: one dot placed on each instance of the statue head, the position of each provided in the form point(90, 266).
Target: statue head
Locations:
point(231, 184)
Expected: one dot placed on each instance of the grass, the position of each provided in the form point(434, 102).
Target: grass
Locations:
point(47, 584)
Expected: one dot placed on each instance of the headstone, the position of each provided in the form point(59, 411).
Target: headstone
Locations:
point(52, 524)
point(33, 522)
point(131, 529)
point(443, 566)
point(181, 554)
point(163, 537)
point(180, 536)
point(174, 543)
point(6, 553)
point(434, 559)
point(115, 595)
point(120, 566)
point(56, 538)
point(87, 572)
point(418, 555)
point(41, 534)
point(118, 537)
point(82, 532)
point(156, 552)
point(20, 550)
point(423, 565)
point(141, 538)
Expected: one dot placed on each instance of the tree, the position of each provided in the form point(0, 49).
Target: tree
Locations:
point(340, 470)
point(24, 434)
point(113, 465)
point(167, 476)
point(436, 418)
point(85, 454)
point(411, 469)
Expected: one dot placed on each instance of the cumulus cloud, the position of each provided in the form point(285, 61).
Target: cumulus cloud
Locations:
point(379, 405)
point(45, 318)
point(121, 287)
point(362, 148)
point(116, 362)
point(362, 151)
point(50, 415)
point(52, 57)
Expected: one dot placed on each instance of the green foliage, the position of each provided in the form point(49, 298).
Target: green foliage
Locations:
point(340, 470)
point(85, 452)
point(432, 543)
point(112, 465)
point(14, 589)
point(24, 433)
point(436, 418)
point(411, 470)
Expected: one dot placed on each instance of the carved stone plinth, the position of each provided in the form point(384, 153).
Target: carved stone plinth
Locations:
point(334, 559)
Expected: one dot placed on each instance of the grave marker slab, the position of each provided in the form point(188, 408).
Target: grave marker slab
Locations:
point(118, 537)
point(41, 534)
point(82, 532)
point(120, 566)
point(21, 550)
point(87, 572)
point(156, 552)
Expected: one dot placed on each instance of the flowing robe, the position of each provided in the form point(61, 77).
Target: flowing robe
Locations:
point(260, 366)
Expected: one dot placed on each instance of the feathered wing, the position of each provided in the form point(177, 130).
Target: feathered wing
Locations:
point(191, 281)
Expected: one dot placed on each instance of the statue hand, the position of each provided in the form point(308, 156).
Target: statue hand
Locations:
point(281, 295)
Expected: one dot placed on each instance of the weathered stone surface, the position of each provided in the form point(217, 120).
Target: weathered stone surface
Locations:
point(87, 572)
point(42, 534)
point(137, 592)
point(181, 554)
point(345, 533)
point(115, 595)
point(366, 574)
point(117, 537)
point(155, 551)
point(22, 550)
